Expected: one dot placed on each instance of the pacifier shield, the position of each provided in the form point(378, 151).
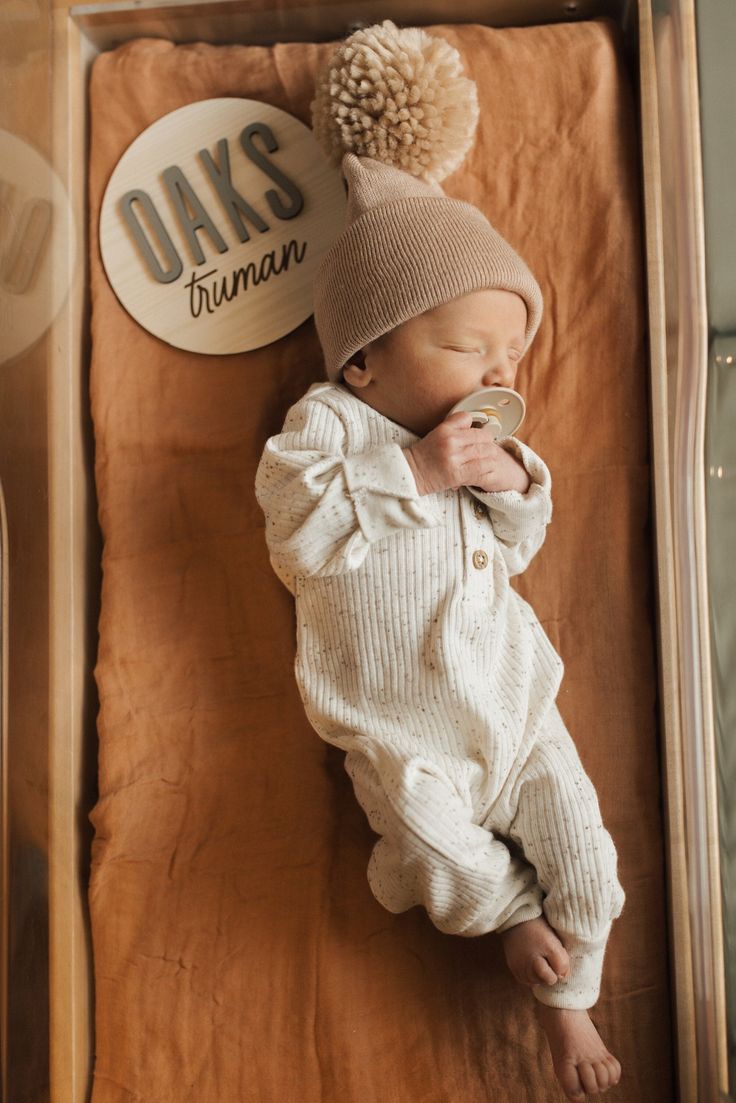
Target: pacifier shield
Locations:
point(502, 409)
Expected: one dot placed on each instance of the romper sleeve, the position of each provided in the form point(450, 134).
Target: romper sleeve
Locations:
point(519, 520)
point(323, 508)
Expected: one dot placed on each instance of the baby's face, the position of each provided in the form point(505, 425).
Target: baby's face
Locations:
point(415, 374)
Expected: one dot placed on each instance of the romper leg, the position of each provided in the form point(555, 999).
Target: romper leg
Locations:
point(558, 824)
point(431, 852)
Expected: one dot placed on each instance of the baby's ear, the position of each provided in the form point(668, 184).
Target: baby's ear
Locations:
point(356, 371)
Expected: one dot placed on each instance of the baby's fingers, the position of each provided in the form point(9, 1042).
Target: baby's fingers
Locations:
point(460, 419)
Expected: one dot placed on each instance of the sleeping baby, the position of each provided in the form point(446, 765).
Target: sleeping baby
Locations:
point(414, 653)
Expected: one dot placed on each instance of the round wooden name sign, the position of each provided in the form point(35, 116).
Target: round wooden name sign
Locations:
point(214, 221)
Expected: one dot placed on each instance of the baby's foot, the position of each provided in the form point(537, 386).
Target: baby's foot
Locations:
point(534, 953)
point(581, 1061)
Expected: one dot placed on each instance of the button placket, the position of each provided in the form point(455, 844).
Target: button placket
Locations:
point(477, 535)
point(479, 509)
point(476, 541)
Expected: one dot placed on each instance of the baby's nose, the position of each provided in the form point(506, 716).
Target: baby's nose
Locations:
point(500, 375)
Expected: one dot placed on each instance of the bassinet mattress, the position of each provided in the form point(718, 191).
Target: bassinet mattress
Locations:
point(238, 952)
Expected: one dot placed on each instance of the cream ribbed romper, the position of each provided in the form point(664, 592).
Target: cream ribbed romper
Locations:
point(416, 657)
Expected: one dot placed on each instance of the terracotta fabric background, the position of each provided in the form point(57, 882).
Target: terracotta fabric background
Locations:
point(238, 952)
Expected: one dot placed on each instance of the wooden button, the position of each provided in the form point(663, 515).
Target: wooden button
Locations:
point(480, 559)
point(478, 508)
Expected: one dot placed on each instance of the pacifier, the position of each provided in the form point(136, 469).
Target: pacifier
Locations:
point(497, 410)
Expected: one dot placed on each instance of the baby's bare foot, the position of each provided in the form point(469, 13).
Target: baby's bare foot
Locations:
point(581, 1061)
point(534, 953)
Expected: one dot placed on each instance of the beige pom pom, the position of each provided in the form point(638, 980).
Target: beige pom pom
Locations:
point(398, 96)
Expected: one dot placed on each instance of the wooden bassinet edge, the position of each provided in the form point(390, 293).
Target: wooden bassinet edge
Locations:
point(74, 548)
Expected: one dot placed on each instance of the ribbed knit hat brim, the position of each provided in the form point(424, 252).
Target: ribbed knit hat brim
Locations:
point(403, 257)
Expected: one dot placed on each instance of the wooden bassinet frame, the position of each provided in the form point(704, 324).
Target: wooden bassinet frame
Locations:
point(661, 54)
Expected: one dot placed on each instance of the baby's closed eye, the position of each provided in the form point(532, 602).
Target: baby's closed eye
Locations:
point(514, 354)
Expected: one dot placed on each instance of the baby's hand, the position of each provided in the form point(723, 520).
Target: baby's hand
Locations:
point(456, 454)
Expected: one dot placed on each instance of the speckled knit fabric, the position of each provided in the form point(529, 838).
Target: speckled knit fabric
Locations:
point(416, 657)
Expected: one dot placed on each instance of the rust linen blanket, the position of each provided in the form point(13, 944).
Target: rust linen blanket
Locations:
point(239, 956)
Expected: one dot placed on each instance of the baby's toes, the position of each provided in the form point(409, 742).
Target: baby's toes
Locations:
point(593, 1076)
point(559, 959)
point(614, 1070)
point(570, 1081)
point(603, 1075)
point(586, 1071)
point(543, 970)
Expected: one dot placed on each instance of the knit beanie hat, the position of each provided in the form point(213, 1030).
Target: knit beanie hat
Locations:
point(394, 111)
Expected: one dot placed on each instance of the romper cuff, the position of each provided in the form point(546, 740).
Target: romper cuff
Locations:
point(581, 987)
point(385, 494)
point(516, 516)
point(530, 909)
